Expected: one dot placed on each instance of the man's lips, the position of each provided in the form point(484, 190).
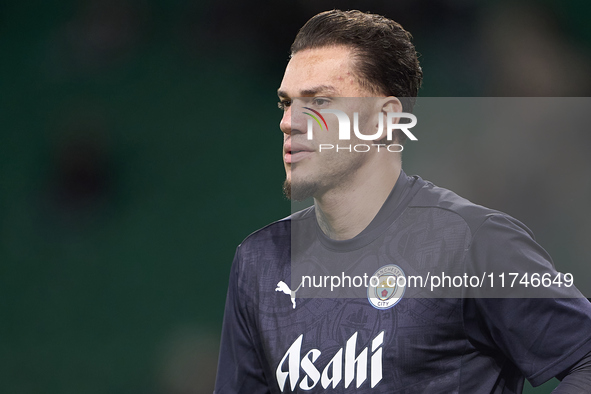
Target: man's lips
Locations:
point(295, 152)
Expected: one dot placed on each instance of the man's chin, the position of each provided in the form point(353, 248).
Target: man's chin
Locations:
point(299, 191)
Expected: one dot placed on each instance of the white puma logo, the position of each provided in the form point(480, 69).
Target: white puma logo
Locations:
point(282, 286)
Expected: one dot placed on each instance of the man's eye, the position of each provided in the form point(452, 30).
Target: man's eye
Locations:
point(319, 101)
point(284, 104)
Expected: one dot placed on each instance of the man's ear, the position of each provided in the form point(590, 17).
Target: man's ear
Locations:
point(385, 105)
point(391, 104)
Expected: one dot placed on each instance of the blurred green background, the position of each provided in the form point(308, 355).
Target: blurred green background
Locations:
point(140, 145)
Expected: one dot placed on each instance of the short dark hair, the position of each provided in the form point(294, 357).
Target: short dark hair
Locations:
point(385, 58)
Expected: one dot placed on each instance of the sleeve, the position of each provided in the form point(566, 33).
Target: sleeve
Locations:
point(577, 379)
point(542, 330)
point(239, 366)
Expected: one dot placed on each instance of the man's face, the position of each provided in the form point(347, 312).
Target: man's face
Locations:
point(321, 78)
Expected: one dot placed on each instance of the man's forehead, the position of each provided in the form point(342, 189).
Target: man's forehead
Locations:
point(325, 70)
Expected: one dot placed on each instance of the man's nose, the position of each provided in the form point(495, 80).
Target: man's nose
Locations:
point(293, 121)
point(285, 124)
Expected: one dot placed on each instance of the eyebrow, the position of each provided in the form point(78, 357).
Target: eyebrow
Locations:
point(326, 89)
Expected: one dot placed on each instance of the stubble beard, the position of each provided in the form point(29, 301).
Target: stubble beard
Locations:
point(299, 191)
point(300, 188)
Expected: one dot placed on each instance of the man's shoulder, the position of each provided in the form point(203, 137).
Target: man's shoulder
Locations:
point(474, 215)
point(277, 233)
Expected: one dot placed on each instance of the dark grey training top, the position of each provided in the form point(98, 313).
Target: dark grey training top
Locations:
point(400, 337)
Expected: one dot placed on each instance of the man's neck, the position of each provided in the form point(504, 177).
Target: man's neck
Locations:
point(345, 212)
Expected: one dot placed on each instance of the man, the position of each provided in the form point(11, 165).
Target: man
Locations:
point(285, 332)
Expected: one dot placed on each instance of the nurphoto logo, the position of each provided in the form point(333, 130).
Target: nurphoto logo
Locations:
point(345, 129)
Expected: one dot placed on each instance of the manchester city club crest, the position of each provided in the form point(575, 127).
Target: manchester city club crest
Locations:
point(386, 287)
